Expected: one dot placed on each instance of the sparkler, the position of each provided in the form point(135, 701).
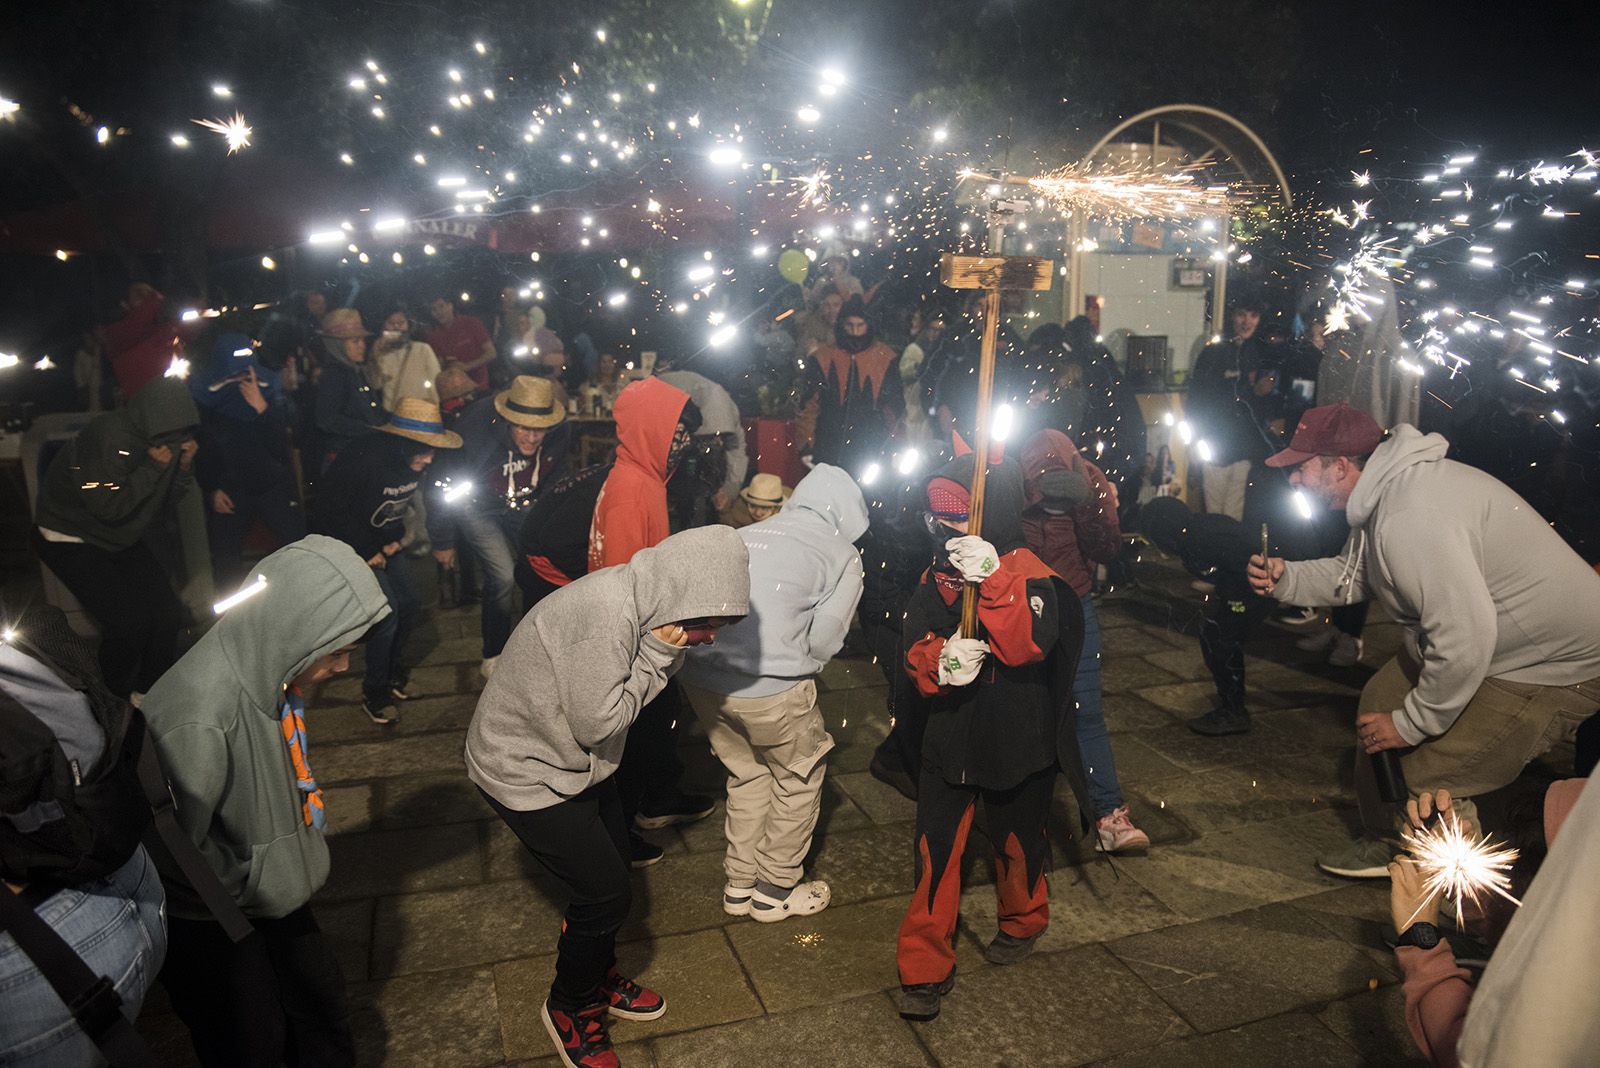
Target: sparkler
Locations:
point(1457, 865)
point(1134, 194)
point(235, 131)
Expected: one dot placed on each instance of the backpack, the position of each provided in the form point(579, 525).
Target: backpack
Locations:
point(557, 525)
point(80, 788)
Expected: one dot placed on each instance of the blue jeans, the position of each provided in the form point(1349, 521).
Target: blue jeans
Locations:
point(491, 538)
point(388, 641)
point(1094, 741)
point(118, 926)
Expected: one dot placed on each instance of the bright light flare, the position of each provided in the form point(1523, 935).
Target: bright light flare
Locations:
point(725, 156)
point(235, 131)
point(721, 337)
point(870, 475)
point(1130, 194)
point(243, 595)
point(178, 368)
point(457, 492)
point(1302, 504)
point(1457, 865)
point(908, 461)
point(808, 114)
point(1004, 418)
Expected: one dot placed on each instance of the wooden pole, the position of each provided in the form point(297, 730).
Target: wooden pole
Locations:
point(980, 448)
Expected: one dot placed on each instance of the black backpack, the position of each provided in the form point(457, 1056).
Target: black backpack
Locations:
point(557, 525)
point(80, 789)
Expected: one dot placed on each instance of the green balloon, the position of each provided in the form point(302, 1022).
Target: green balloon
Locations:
point(794, 266)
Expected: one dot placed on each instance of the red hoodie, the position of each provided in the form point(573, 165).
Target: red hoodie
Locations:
point(631, 512)
point(140, 345)
point(1074, 542)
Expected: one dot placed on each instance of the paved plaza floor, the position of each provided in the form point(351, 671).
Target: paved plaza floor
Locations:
point(1223, 946)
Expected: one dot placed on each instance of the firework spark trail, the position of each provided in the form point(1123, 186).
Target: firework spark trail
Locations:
point(1139, 194)
point(235, 131)
point(1455, 864)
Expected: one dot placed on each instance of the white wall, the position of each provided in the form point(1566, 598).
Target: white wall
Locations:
point(1139, 299)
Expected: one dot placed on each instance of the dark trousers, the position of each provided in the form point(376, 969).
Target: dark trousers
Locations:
point(1222, 635)
point(1015, 819)
point(650, 767)
point(277, 998)
point(581, 846)
point(132, 602)
point(386, 646)
point(277, 508)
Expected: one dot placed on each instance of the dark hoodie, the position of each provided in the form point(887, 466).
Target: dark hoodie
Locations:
point(362, 496)
point(856, 382)
point(1214, 547)
point(243, 452)
point(554, 717)
point(1071, 538)
point(216, 720)
point(631, 513)
point(1016, 719)
point(484, 459)
point(104, 488)
point(346, 406)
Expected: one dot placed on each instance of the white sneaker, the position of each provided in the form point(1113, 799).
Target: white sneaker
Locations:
point(1301, 617)
point(807, 899)
point(487, 667)
point(1346, 650)
point(1317, 641)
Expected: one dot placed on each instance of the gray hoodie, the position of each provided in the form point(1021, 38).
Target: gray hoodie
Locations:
point(579, 667)
point(215, 718)
point(1482, 584)
point(805, 581)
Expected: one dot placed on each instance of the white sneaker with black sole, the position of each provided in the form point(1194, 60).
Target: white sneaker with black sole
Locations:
point(1346, 650)
point(806, 899)
point(383, 715)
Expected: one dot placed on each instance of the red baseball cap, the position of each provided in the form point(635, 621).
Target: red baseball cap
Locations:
point(1331, 430)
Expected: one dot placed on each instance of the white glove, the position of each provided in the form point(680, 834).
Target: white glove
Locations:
point(961, 659)
point(975, 558)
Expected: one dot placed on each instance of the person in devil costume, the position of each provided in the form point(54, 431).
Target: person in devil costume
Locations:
point(855, 392)
point(999, 723)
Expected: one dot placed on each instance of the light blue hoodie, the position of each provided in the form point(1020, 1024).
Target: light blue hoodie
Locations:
point(805, 581)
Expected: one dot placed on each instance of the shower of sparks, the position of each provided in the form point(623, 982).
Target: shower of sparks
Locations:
point(808, 940)
point(1457, 865)
point(235, 131)
point(813, 188)
point(1138, 194)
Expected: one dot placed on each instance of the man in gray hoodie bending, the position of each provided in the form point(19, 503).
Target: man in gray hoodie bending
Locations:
point(755, 693)
point(549, 731)
point(1502, 619)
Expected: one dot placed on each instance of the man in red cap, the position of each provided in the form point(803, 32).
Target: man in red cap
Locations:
point(1502, 619)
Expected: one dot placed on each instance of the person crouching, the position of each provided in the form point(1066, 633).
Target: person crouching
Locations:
point(548, 733)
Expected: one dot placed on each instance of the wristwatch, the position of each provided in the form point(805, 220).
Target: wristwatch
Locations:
point(1420, 934)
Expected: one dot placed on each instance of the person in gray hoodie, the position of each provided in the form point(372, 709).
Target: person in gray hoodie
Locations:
point(1502, 619)
point(549, 731)
point(755, 691)
point(227, 721)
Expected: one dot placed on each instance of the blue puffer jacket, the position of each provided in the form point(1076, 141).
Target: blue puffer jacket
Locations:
point(805, 580)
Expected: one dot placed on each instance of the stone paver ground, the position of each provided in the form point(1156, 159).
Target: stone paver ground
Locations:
point(1223, 946)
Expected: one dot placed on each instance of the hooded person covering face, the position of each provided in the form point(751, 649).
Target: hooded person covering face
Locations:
point(631, 512)
point(855, 383)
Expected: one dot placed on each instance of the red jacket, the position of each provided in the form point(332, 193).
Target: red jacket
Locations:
point(140, 345)
point(631, 513)
point(1074, 542)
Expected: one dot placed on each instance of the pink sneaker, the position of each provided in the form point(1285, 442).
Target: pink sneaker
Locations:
point(1117, 833)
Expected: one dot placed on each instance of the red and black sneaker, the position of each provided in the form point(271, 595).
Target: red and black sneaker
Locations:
point(630, 1001)
point(580, 1037)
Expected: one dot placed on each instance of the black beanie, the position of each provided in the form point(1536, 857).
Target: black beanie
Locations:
point(1163, 521)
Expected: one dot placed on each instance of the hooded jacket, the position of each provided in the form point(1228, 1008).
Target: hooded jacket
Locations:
point(858, 393)
point(486, 454)
point(805, 581)
point(553, 719)
point(215, 719)
point(345, 406)
point(1017, 717)
point(719, 416)
point(631, 513)
point(141, 344)
point(1073, 541)
point(103, 488)
point(1483, 585)
point(363, 495)
point(243, 452)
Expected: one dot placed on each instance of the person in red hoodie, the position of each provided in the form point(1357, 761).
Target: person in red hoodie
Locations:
point(1070, 522)
point(999, 723)
point(141, 344)
point(655, 424)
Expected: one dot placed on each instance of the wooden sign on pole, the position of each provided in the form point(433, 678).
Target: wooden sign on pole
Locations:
point(990, 274)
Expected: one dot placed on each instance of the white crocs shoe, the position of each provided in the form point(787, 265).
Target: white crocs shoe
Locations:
point(736, 899)
point(486, 668)
point(806, 899)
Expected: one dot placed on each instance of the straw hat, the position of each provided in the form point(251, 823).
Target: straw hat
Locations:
point(343, 323)
point(766, 491)
point(420, 420)
point(530, 402)
point(453, 382)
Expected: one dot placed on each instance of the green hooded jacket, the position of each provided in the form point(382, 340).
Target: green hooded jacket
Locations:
point(216, 720)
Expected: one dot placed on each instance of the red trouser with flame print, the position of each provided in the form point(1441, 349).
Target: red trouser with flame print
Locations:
point(1015, 820)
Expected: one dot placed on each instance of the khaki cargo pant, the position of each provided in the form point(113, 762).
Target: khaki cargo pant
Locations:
point(773, 748)
point(1504, 727)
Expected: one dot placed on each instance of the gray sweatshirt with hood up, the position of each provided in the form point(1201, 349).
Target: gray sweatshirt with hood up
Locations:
point(805, 582)
point(579, 667)
point(1481, 583)
point(216, 720)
